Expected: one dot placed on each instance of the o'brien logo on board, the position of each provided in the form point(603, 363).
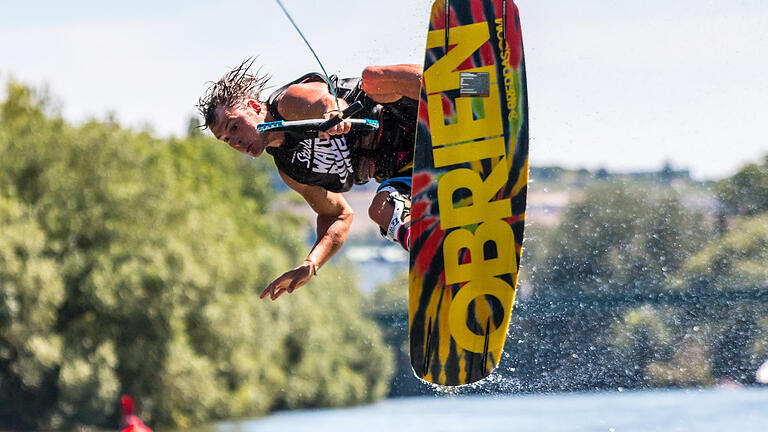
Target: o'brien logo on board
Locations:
point(466, 140)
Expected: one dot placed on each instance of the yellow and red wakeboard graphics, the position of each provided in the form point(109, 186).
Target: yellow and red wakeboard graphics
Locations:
point(469, 189)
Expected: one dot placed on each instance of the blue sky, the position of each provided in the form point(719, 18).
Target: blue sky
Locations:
point(622, 85)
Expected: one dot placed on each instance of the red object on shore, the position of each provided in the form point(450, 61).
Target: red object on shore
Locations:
point(128, 420)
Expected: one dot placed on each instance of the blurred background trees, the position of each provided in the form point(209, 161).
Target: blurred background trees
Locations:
point(746, 192)
point(130, 264)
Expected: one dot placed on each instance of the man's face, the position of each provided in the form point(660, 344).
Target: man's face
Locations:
point(237, 127)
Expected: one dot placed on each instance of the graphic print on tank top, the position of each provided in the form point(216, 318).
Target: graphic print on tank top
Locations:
point(325, 156)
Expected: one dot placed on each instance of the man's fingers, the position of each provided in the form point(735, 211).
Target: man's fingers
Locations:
point(277, 293)
point(271, 288)
point(286, 283)
point(292, 287)
point(344, 127)
point(339, 129)
point(280, 289)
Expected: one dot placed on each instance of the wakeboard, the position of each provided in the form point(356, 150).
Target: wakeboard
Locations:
point(469, 190)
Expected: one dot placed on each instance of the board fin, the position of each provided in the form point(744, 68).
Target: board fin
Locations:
point(504, 25)
point(447, 22)
point(485, 346)
point(427, 349)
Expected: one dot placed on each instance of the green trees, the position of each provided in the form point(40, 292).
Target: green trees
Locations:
point(133, 264)
point(736, 261)
point(746, 192)
point(32, 291)
point(388, 306)
point(730, 275)
point(732, 271)
point(620, 240)
point(635, 289)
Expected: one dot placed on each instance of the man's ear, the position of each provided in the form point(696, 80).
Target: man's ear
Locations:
point(255, 105)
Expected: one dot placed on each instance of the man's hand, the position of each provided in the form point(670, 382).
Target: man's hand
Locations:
point(312, 100)
point(338, 129)
point(290, 281)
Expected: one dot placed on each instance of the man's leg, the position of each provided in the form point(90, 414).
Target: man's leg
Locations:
point(391, 210)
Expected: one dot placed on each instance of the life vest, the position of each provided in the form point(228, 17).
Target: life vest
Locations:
point(339, 162)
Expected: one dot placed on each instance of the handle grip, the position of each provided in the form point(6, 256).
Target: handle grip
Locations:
point(310, 128)
point(349, 112)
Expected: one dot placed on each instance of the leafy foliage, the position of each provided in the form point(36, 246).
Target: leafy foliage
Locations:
point(746, 192)
point(388, 306)
point(618, 239)
point(133, 264)
point(736, 261)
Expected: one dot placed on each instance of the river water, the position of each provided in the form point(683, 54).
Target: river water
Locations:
point(695, 410)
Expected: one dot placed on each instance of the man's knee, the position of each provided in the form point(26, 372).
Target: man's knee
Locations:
point(372, 73)
point(394, 219)
point(380, 210)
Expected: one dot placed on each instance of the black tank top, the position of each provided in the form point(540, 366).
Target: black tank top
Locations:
point(338, 163)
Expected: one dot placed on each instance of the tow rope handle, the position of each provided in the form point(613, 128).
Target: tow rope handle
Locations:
point(349, 112)
point(302, 129)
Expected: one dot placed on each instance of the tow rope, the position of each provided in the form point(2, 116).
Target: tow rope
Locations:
point(327, 78)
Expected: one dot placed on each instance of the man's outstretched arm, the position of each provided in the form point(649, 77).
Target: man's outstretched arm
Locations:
point(334, 217)
point(386, 84)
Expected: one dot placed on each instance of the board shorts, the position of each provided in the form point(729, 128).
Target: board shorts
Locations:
point(400, 183)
